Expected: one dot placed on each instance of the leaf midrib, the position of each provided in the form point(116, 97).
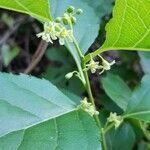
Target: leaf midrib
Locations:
point(23, 110)
point(136, 113)
point(56, 131)
point(30, 91)
point(39, 122)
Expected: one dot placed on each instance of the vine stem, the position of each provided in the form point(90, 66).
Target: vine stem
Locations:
point(103, 133)
point(91, 98)
point(90, 95)
point(86, 78)
point(107, 128)
point(78, 48)
point(37, 56)
point(104, 144)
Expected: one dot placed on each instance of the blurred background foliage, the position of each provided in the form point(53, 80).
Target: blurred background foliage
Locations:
point(18, 43)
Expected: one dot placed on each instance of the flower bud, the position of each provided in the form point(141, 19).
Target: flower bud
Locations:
point(79, 11)
point(58, 19)
point(70, 9)
point(69, 75)
point(65, 21)
point(73, 20)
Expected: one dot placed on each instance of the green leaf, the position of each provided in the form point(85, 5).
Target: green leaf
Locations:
point(109, 105)
point(58, 54)
point(72, 96)
point(38, 9)
point(117, 90)
point(143, 145)
point(71, 131)
point(102, 7)
point(139, 104)
point(129, 29)
point(145, 61)
point(34, 114)
point(123, 138)
point(130, 26)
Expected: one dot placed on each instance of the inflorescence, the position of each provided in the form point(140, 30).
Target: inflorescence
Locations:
point(88, 107)
point(116, 119)
point(61, 28)
point(93, 65)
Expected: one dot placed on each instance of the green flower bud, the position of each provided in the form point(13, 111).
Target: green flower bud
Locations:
point(73, 20)
point(70, 9)
point(58, 19)
point(65, 21)
point(69, 75)
point(79, 11)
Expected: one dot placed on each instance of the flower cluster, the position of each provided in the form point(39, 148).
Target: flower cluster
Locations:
point(54, 30)
point(117, 120)
point(93, 65)
point(88, 107)
point(49, 32)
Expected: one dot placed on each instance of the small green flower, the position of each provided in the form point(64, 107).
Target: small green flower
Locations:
point(49, 32)
point(105, 64)
point(88, 107)
point(50, 28)
point(93, 66)
point(116, 119)
point(63, 35)
point(45, 36)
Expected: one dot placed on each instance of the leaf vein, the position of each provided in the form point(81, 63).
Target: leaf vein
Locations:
point(119, 34)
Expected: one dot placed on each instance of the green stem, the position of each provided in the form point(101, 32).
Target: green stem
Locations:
point(103, 133)
point(78, 66)
point(107, 128)
point(79, 54)
point(75, 42)
point(86, 78)
point(88, 87)
point(104, 144)
point(77, 48)
point(89, 91)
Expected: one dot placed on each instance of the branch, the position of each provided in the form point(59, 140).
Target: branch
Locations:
point(37, 56)
point(15, 26)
